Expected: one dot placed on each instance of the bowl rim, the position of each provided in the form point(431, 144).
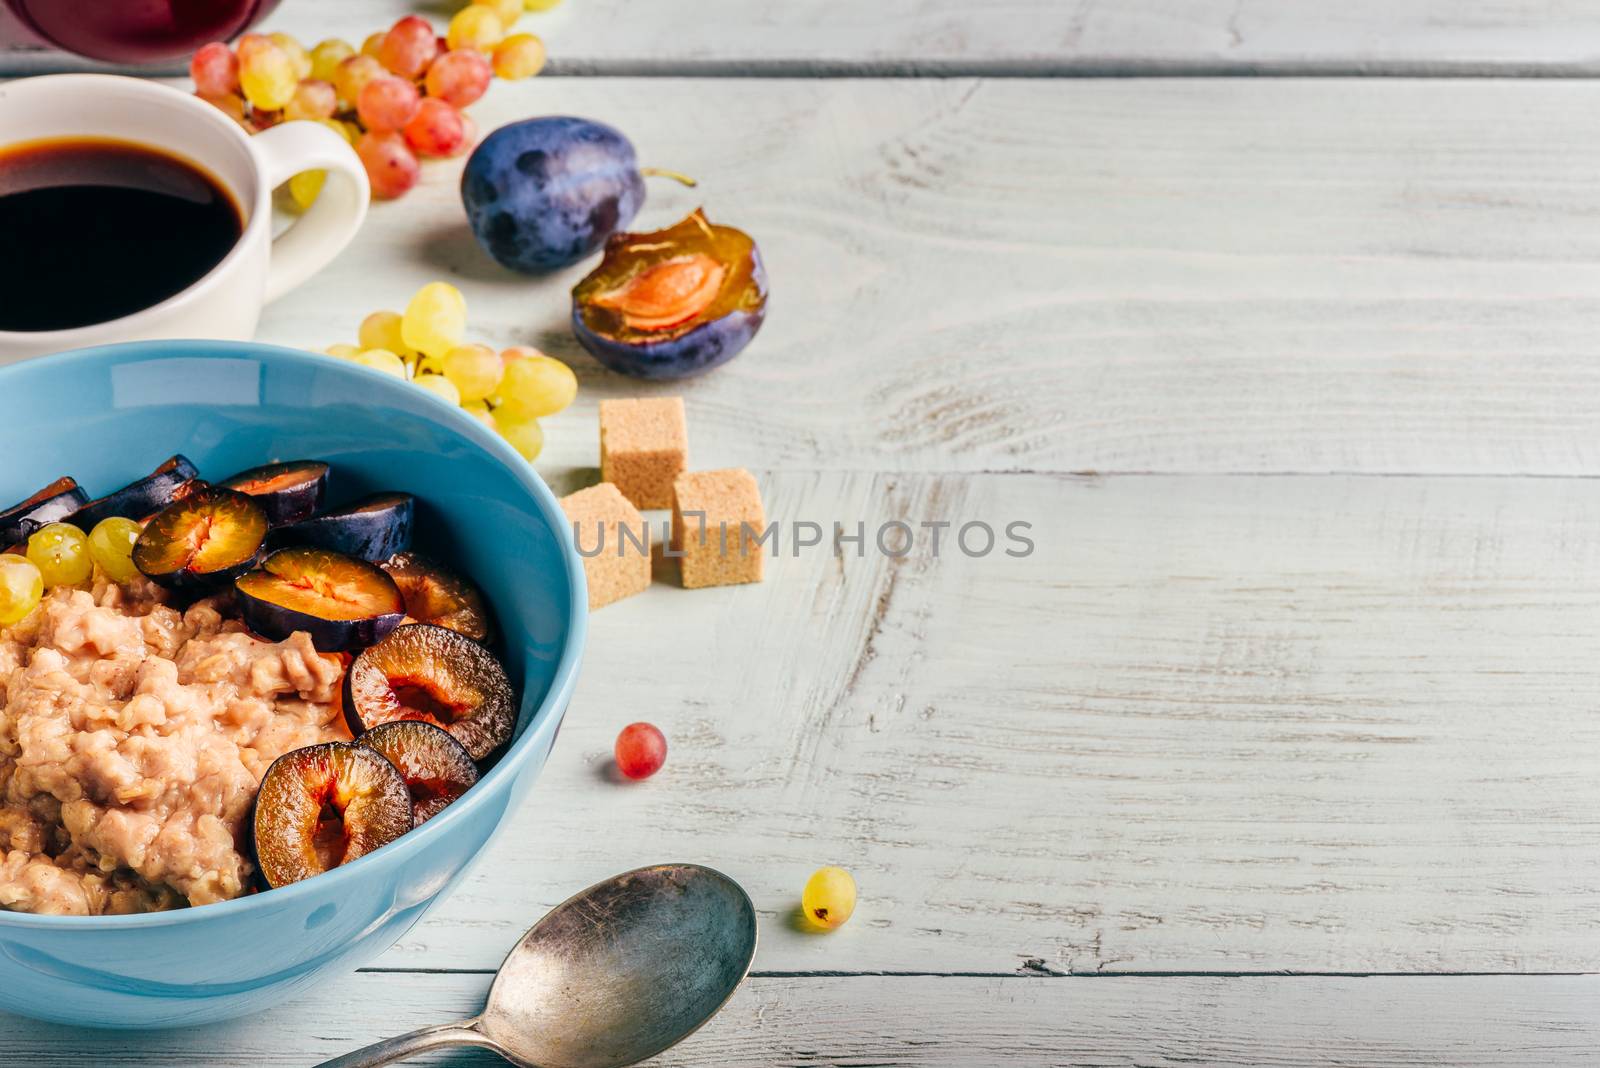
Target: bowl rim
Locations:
point(504, 770)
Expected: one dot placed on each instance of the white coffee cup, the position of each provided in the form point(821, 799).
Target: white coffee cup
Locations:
point(227, 301)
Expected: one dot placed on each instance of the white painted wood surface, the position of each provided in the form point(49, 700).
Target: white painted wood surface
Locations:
point(1212, 723)
point(1170, 275)
point(1047, 36)
point(951, 1022)
point(1050, 36)
point(618, 37)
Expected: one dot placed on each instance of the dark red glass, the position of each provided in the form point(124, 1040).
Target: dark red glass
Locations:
point(138, 31)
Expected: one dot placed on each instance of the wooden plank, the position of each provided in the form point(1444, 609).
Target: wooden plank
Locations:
point(1210, 724)
point(1019, 36)
point(1467, 1022)
point(1233, 276)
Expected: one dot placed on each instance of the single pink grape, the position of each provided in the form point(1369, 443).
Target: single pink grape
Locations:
point(392, 167)
point(460, 77)
point(436, 129)
point(215, 70)
point(313, 99)
point(387, 104)
point(469, 135)
point(409, 47)
point(640, 751)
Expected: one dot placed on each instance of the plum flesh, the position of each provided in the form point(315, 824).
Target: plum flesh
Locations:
point(341, 602)
point(435, 594)
point(673, 303)
point(209, 537)
point(543, 193)
point(289, 492)
point(436, 767)
point(433, 674)
point(323, 806)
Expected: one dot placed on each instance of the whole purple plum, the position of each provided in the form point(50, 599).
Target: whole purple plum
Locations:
point(673, 303)
point(542, 194)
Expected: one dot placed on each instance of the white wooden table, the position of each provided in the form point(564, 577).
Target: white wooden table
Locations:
point(1284, 745)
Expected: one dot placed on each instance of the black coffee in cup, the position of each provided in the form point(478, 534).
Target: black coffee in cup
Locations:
point(96, 229)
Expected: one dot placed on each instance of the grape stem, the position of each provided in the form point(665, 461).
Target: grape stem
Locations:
point(676, 176)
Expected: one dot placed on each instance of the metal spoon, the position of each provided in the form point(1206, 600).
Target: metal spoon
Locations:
point(611, 977)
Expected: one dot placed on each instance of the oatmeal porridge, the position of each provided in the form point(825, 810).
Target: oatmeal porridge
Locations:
point(133, 738)
point(177, 694)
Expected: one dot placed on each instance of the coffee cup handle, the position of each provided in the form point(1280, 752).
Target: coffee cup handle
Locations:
point(326, 228)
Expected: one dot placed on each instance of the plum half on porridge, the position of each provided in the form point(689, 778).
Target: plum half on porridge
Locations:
point(169, 648)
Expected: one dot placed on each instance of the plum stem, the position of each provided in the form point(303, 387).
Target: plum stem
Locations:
point(677, 176)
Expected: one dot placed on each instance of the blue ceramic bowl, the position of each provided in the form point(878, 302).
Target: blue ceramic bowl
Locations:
point(108, 415)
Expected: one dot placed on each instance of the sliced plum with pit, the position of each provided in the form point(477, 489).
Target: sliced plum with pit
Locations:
point(666, 293)
point(323, 806)
point(56, 501)
point(672, 303)
point(436, 675)
point(435, 594)
point(289, 491)
point(373, 528)
point(437, 768)
point(341, 602)
point(142, 499)
point(208, 538)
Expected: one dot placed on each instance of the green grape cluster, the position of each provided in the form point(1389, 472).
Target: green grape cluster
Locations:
point(508, 391)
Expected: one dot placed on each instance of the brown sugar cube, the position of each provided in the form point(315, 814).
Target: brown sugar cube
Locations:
point(720, 550)
point(620, 568)
point(644, 445)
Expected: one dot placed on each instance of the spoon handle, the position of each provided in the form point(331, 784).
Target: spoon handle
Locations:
point(394, 1049)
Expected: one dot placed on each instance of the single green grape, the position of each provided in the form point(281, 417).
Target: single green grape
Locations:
point(436, 319)
point(305, 187)
point(475, 26)
point(475, 369)
point(299, 58)
point(383, 360)
point(439, 386)
point(326, 57)
point(61, 553)
point(829, 897)
point(381, 330)
point(21, 588)
point(267, 76)
point(521, 55)
point(524, 435)
point(111, 546)
point(343, 352)
point(480, 411)
point(534, 387)
point(508, 10)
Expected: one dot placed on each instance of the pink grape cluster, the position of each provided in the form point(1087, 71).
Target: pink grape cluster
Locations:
point(397, 100)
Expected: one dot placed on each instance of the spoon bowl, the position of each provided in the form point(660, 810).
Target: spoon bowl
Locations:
point(623, 970)
point(610, 977)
